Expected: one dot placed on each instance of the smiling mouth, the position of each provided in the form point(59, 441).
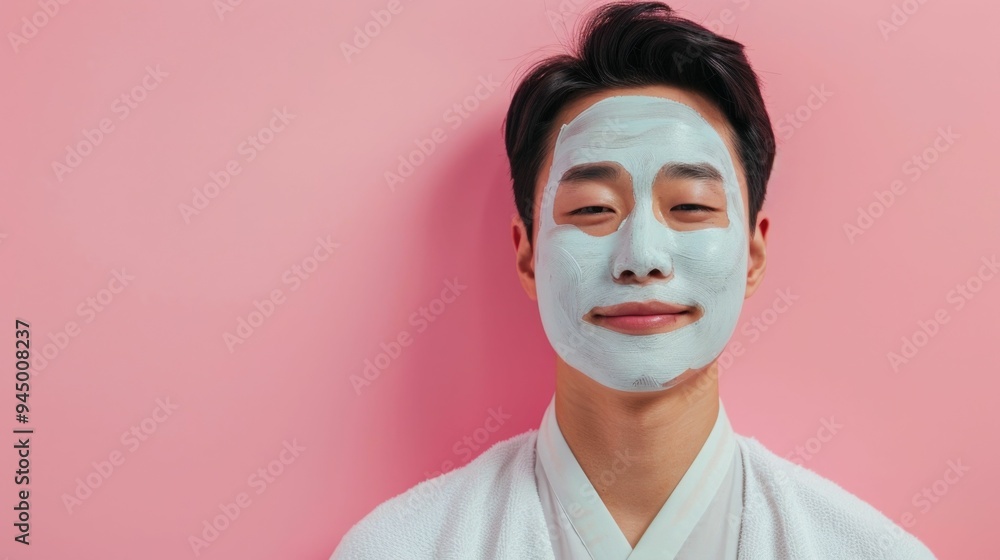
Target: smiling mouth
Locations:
point(643, 318)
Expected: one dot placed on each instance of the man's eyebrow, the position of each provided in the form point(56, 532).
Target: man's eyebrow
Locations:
point(591, 172)
point(603, 171)
point(703, 171)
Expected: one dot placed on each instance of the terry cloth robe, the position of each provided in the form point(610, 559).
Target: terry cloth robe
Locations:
point(490, 509)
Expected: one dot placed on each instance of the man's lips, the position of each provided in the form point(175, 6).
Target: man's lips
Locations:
point(647, 317)
point(641, 308)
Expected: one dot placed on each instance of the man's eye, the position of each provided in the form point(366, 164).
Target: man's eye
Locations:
point(590, 210)
point(693, 208)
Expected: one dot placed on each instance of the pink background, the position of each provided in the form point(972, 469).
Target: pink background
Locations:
point(322, 175)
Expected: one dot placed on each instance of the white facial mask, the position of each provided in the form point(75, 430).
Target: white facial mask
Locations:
point(575, 271)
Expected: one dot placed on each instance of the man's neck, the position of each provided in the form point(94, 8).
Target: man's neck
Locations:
point(635, 447)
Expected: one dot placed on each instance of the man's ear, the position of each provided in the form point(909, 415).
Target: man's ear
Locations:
point(757, 257)
point(525, 258)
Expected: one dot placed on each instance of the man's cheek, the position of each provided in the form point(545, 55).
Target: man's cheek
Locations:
point(708, 251)
point(572, 263)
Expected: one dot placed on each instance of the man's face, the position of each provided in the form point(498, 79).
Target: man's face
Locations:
point(641, 251)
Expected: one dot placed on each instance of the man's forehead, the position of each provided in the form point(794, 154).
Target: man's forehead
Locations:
point(641, 123)
point(615, 121)
point(616, 112)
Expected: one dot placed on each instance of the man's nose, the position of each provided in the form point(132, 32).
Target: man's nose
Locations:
point(642, 254)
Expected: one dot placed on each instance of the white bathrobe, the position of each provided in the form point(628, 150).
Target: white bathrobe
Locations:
point(490, 509)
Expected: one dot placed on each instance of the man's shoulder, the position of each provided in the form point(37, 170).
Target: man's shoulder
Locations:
point(792, 508)
point(443, 516)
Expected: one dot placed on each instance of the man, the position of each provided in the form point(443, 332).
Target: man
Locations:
point(639, 170)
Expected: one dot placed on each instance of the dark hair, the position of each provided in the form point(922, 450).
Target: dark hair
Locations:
point(629, 44)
